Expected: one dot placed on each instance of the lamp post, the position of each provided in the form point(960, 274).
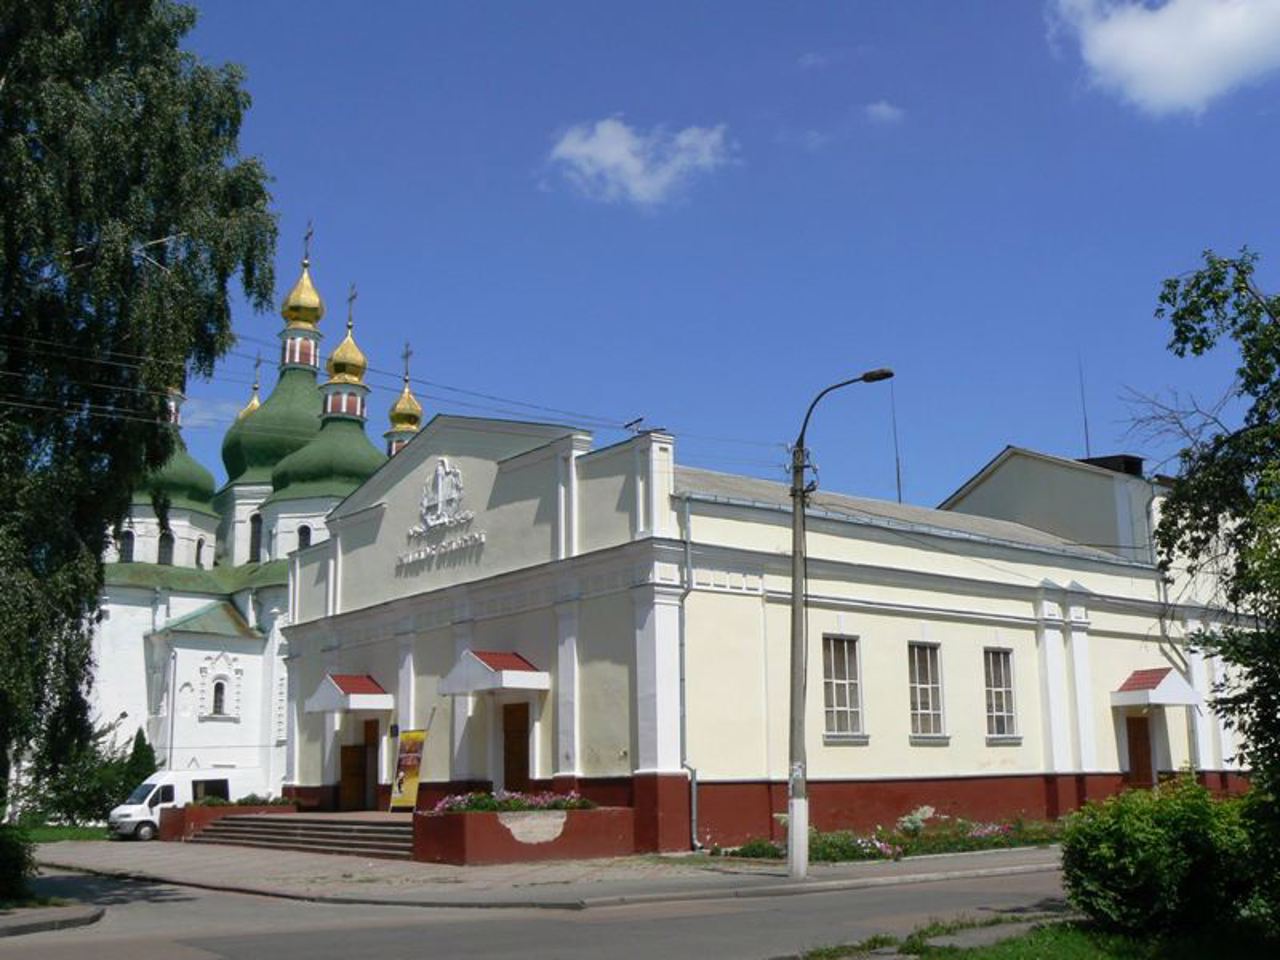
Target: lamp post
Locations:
point(797, 780)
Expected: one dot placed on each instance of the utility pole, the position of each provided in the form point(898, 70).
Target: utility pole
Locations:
point(797, 774)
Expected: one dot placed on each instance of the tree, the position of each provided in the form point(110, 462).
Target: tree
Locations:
point(1222, 516)
point(141, 763)
point(126, 210)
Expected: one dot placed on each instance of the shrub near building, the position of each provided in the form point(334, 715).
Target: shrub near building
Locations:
point(1154, 861)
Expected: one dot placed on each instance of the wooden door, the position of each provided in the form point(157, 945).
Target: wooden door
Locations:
point(1138, 732)
point(515, 746)
point(370, 765)
point(351, 788)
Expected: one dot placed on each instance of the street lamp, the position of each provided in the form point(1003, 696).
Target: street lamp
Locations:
point(797, 785)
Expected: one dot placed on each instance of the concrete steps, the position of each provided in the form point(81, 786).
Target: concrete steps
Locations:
point(348, 837)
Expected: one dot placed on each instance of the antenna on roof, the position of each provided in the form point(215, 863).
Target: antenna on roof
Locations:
point(633, 425)
point(897, 457)
point(1084, 409)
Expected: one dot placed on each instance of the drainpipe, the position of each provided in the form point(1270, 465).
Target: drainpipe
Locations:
point(173, 702)
point(684, 720)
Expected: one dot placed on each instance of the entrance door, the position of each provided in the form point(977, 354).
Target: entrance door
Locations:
point(1138, 732)
point(370, 765)
point(351, 788)
point(515, 746)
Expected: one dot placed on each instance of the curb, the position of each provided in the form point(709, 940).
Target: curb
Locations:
point(54, 918)
point(789, 889)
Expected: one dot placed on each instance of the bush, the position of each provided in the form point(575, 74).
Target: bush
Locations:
point(1160, 860)
point(505, 801)
point(254, 800)
point(17, 862)
point(757, 849)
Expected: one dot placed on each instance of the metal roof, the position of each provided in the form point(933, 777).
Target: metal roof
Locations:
point(749, 491)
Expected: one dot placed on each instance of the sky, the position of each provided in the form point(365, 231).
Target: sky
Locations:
point(703, 213)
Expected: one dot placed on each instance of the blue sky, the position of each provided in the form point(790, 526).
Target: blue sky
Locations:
point(702, 213)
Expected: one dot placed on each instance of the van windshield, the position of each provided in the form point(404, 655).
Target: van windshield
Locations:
point(140, 793)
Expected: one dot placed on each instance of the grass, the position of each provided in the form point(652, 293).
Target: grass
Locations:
point(7, 905)
point(52, 833)
point(1061, 941)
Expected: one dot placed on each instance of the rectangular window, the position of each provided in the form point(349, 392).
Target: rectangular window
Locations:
point(1001, 721)
point(925, 677)
point(841, 692)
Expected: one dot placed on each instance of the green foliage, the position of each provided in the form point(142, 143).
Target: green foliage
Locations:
point(78, 786)
point(1165, 859)
point(504, 801)
point(125, 212)
point(918, 833)
point(56, 833)
point(142, 760)
point(17, 862)
point(1221, 519)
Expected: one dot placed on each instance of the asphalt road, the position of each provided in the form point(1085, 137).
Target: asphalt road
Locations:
point(148, 920)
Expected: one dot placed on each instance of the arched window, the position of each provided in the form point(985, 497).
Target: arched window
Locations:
point(200, 553)
point(304, 537)
point(255, 538)
point(219, 698)
point(126, 546)
point(165, 555)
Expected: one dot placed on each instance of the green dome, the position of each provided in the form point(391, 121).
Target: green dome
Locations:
point(188, 485)
point(338, 460)
point(285, 423)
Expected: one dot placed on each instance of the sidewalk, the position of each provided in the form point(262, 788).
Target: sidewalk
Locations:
point(570, 884)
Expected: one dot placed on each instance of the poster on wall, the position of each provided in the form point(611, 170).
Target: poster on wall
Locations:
point(404, 789)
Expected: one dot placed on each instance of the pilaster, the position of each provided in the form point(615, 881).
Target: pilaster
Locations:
point(1055, 707)
point(657, 659)
point(567, 731)
point(1077, 627)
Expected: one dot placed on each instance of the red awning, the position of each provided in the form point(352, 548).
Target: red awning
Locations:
point(356, 683)
point(504, 660)
point(1144, 679)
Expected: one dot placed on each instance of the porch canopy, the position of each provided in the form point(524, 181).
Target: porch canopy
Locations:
point(480, 671)
point(339, 692)
point(1156, 687)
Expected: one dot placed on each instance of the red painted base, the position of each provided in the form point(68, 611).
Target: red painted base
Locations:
point(477, 838)
point(662, 811)
point(183, 823)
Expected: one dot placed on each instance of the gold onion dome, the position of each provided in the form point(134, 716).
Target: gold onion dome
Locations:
point(347, 364)
point(406, 412)
point(253, 404)
point(303, 306)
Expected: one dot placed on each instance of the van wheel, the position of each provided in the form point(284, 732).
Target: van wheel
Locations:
point(145, 831)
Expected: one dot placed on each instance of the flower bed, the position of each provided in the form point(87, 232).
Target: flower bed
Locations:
point(504, 801)
point(183, 823)
point(918, 833)
point(475, 829)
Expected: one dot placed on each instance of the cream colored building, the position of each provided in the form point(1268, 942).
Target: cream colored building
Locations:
point(559, 615)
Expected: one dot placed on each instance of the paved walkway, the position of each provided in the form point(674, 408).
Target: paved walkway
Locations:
point(570, 884)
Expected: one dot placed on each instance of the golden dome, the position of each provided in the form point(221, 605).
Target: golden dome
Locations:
point(303, 306)
point(406, 412)
point(347, 364)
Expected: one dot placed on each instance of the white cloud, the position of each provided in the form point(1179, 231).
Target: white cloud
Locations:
point(811, 61)
point(200, 412)
point(610, 161)
point(882, 111)
point(1177, 55)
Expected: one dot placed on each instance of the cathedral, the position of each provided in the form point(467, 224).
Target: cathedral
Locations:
point(190, 646)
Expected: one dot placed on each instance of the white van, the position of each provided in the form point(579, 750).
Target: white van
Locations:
point(139, 816)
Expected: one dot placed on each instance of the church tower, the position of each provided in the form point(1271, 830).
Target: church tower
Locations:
point(405, 415)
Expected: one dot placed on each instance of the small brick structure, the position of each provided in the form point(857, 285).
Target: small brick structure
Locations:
point(183, 823)
point(524, 836)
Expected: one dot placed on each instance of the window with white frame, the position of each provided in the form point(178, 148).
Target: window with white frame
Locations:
point(925, 678)
point(841, 691)
point(998, 666)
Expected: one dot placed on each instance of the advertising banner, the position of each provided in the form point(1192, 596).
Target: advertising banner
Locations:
point(404, 789)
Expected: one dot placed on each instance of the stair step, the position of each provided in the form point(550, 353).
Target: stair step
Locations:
point(377, 854)
point(231, 824)
point(345, 842)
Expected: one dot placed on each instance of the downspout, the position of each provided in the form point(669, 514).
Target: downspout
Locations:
point(173, 702)
point(684, 720)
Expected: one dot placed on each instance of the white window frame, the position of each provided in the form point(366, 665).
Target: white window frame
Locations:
point(939, 708)
point(853, 699)
point(1012, 733)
